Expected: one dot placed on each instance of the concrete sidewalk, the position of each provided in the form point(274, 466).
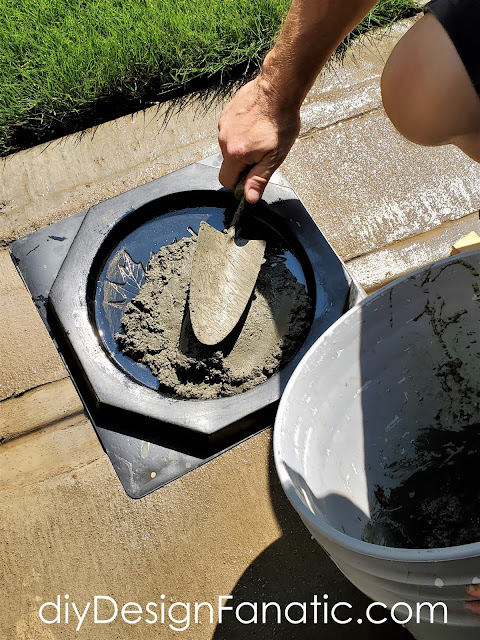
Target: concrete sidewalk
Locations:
point(66, 526)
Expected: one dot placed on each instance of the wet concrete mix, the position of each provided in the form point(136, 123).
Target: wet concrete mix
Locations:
point(268, 336)
point(438, 505)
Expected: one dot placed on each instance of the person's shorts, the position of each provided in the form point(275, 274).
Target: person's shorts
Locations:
point(461, 20)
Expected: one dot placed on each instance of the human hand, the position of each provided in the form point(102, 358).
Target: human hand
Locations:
point(257, 128)
point(474, 605)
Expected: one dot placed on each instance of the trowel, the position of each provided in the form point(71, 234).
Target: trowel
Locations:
point(224, 272)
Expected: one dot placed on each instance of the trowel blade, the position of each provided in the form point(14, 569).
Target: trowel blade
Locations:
point(224, 273)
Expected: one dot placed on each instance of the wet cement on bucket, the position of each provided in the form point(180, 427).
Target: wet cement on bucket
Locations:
point(438, 505)
point(157, 331)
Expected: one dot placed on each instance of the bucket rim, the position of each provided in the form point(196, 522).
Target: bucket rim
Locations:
point(339, 538)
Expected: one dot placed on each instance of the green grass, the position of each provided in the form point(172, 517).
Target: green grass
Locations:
point(61, 60)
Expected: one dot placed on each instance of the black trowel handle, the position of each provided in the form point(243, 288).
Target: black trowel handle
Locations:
point(239, 195)
point(240, 186)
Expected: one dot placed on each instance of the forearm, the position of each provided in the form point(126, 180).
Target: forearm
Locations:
point(259, 125)
point(310, 34)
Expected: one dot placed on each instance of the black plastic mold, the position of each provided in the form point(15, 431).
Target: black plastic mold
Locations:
point(82, 271)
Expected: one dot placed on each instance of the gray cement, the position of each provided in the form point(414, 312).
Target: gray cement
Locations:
point(438, 505)
point(157, 331)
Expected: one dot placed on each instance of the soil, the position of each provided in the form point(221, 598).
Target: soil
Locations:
point(439, 504)
point(158, 333)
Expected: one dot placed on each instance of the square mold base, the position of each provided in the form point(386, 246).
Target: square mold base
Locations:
point(147, 454)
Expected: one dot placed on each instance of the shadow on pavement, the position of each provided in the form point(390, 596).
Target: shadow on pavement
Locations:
point(294, 569)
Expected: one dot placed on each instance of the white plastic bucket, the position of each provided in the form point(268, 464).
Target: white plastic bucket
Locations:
point(367, 387)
